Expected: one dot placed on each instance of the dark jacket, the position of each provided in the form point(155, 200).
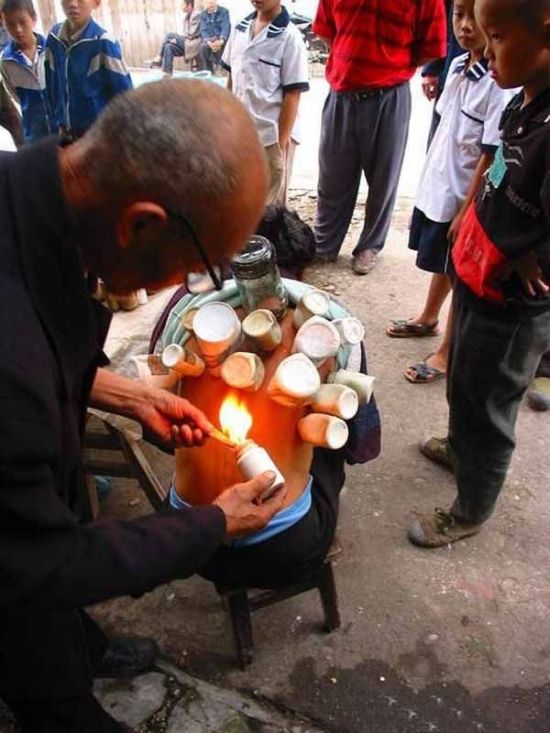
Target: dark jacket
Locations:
point(51, 334)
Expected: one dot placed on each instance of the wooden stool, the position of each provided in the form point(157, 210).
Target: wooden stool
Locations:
point(120, 456)
point(242, 602)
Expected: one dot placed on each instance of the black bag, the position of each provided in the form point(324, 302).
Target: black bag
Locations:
point(292, 238)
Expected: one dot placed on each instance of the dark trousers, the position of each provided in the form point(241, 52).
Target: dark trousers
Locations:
point(544, 366)
point(360, 133)
point(172, 45)
point(209, 59)
point(295, 553)
point(47, 664)
point(495, 353)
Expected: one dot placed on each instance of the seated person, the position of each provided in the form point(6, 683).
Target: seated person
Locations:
point(187, 44)
point(296, 543)
point(215, 27)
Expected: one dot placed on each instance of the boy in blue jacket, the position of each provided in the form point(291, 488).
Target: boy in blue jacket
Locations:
point(84, 69)
point(22, 68)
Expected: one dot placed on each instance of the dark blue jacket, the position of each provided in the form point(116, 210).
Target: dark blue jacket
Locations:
point(215, 25)
point(84, 76)
point(26, 82)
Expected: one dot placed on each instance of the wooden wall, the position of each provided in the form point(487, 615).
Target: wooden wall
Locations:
point(139, 25)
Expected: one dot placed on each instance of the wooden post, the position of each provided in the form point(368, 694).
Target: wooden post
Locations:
point(46, 11)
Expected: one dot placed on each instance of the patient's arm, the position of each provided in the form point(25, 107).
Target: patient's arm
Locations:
point(201, 474)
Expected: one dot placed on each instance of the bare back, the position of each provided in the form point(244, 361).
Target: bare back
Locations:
point(203, 473)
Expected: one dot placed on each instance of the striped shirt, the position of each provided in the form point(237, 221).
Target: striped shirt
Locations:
point(379, 43)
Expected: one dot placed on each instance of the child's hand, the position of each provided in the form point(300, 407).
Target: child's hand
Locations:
point(529, 273)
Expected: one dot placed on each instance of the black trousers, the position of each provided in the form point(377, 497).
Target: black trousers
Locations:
point(295, 553)
point(495, 354)
point(47, 664)
point(544, 366)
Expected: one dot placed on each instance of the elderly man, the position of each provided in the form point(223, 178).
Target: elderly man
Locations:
point(375, 48)
point(170, 178)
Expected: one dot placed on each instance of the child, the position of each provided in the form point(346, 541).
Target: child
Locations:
point(22, 68)
point(462, 149)
point(501, 259)
point(84, 69)
point(267, 62)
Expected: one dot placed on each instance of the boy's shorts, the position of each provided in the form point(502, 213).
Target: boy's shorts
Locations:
point(429, 239)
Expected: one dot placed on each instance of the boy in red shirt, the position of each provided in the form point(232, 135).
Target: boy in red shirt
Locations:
point(502, 264)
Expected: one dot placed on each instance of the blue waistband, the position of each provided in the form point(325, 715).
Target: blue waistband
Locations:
point(282, 521)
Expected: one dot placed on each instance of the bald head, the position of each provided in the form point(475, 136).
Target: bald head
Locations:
point(182, 146)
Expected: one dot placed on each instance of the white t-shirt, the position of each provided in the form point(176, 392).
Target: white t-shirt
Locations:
point(264, 67)
point(6, 141)
point(470, 106)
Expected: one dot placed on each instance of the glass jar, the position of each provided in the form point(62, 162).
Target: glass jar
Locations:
point(258, 278)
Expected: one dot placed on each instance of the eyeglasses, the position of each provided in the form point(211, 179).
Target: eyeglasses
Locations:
point(210, 269)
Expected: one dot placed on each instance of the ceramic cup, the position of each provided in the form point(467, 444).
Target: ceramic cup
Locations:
point(150, 370)
point(362, 384)
point(243, 370)
point(217, 330)
point(351, 330)
point(312, 303)
point(323, 431)
point(295, 381)
point(337, 400)
point(317, 339)
point(252, 460)
point(184, 361)
point(262, 328)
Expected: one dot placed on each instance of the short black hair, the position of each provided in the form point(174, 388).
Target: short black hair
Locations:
point(10, 6)
point(533, 12)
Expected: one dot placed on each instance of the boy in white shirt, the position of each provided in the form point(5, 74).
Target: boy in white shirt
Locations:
point(267, 63)
point(461, 151)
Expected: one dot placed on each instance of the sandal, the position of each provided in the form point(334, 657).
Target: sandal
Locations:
point(423, 373)
point(406, 328)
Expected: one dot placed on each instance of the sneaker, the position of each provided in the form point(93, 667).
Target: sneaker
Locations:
point(437, 450)
point(365, 262)
point(153, 63)
point(439, 529)
point(128, 656)
point(538, 394)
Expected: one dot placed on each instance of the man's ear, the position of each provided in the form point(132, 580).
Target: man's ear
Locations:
point(139, 219)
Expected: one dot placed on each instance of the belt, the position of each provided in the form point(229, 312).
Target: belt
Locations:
point(360, 95)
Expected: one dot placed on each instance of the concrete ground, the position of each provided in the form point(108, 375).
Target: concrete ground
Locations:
point(456, 638)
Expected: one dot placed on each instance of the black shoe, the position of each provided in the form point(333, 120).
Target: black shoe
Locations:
point(128, 656)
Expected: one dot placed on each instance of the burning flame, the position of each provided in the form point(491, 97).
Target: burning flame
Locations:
point(235, 419)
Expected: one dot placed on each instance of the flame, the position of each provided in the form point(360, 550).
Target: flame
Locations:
point(235, 419)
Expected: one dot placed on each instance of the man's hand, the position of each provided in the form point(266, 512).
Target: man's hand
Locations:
point(430, 87)
point(530, 275)
point(172, 420)
point(243, 513)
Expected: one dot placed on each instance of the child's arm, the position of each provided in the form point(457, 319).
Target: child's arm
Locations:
point(117, 78)
point(289, 110)
point(484, 162)
point(294, 81)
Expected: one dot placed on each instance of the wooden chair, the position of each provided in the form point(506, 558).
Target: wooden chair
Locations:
point(241, 603)
point(122, 456)
point(112, 452)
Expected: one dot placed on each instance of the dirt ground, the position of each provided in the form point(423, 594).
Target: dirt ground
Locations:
point(455, 639)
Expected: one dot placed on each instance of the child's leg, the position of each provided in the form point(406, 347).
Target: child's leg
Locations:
point(494, 356)
point(435, 365)
point(440, 286)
